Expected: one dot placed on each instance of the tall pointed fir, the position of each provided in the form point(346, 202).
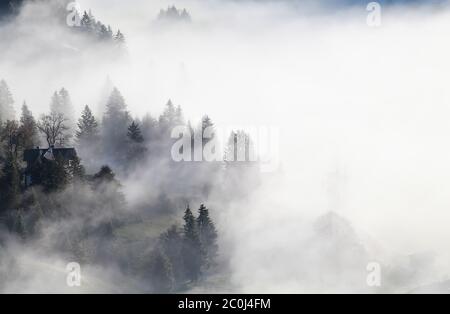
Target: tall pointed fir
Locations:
point(136, 148)
point(114, 128)
point(119, 38)
point(192, 248)
point(208, 236)
point(87, 133)
point(61, 104)
point(28, 128)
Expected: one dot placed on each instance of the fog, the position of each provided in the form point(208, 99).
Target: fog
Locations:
point(363, 114)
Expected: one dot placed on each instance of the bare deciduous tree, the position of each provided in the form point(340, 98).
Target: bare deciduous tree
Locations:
point(53, 127)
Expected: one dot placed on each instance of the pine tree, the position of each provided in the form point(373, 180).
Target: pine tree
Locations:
point(134, 133)
point(205, 127)
point(61, 104)
point(87, 132)
point(119, 38)
point(28, 128)
point(192, 249)
point(170, 118)
point(87, 23)
point(115, 125)
point(208, 235)
point(103, 32)
point(7, 111)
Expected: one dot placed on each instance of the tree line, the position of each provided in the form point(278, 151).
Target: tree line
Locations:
point(93, 206)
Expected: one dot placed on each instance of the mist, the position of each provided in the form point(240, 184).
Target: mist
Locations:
point(362, 113)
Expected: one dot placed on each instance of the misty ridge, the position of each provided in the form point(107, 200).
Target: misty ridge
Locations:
point(60, 194)
point(87, 112)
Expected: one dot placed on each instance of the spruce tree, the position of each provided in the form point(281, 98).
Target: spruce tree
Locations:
point(170, 118)
point(61, 104)
point(115, 125)
point(87, 132)
point(134, 133)
point(136, 148)
point(87, 24)
point(192, 248)
point(208, 235)
point(119, 38)
point(28, 128)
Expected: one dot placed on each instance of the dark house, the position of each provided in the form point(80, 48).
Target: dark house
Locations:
point(34, 157)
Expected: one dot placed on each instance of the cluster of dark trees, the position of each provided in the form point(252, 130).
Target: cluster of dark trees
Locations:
point(90, 25)
point(174, 14)
point(93, 206)
point(183, 256)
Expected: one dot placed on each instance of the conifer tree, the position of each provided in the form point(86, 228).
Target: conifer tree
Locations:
point(134, 133)
point(119, 38)
point(208, 235)
point(136, 148)
point(87, 23)
point(28, 128)
point(115, 125)
point(87, 132)
point(192, 249)
point(61, 104)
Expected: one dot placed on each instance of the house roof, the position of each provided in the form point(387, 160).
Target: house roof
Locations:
point(30, 155)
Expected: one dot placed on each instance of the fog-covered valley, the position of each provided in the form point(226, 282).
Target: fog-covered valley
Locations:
point(358, 176)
